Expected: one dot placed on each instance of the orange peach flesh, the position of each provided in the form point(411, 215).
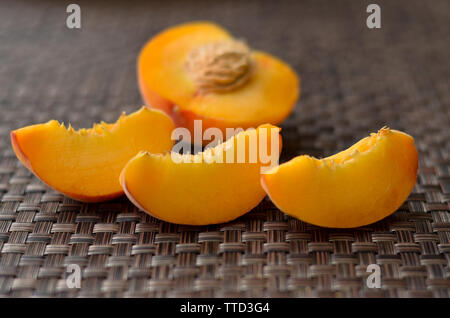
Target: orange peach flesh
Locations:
point(85, 164)
point(80, 197)
point(187, 192)
point(355, 187)
point(268, 97)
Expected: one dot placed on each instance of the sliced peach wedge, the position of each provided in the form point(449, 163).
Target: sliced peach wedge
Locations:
point(355, 187)
point(210, 187)
point(85, 164)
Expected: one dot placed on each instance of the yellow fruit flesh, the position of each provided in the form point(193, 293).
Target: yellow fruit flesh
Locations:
point(86, 164)
point(161, 63)
point(358, 186)
point(194, 193)
point(268, 97)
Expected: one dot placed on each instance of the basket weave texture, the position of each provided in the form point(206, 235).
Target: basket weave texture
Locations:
point(354, 81)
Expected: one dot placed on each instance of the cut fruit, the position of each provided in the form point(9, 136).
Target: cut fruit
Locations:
point(85, 164)
point(230, 87)
point(355, 187)
point(199, 189)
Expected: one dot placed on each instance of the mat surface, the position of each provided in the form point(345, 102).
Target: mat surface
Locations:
point(354, 81)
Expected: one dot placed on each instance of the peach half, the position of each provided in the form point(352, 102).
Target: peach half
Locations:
point(198, 71)
point(85, 164)
point(200, 189)
point(358, 186)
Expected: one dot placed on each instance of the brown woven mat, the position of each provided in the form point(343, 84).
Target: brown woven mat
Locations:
point(354, 81)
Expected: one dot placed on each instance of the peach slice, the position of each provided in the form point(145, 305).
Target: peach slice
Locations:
point(205, 188)
point(355, 187)
point(85, 164)
point(231, 86)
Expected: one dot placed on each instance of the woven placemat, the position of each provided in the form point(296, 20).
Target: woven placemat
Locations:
point(354, 81)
